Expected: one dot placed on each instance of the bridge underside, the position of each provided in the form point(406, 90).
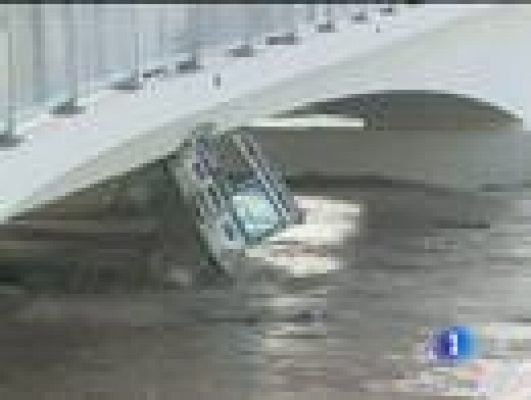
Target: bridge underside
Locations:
point(432, 138)
point(122, 232)
point(130, 225)
point(178, 219)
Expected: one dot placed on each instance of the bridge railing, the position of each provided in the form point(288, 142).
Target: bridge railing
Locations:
point(53, 57)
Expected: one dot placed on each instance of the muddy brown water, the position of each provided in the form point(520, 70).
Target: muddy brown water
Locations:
point(336, 308)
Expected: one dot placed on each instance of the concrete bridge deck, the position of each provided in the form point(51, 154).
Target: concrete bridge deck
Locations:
point(120, 132)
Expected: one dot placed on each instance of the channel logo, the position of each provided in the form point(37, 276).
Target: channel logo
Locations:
point(452, 344)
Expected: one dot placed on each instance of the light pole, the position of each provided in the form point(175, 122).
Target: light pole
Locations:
point(194, 39)
point(289, 34)
point(8, 137)
point(245, 48)
point(328, 25)
point(134, 81)
point(70, 106)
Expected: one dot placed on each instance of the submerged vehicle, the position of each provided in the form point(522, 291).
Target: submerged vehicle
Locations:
point(239, 199)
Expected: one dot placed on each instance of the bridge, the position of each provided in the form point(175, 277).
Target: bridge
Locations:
point(107, 110)
point(319, 54)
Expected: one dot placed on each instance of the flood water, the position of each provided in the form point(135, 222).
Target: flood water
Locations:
point(336, 308)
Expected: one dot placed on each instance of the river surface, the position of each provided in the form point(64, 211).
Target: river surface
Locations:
point(336, 308)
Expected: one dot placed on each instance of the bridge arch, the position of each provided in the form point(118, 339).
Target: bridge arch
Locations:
point(416, 110)
point(429, 137)
point(482, 57)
